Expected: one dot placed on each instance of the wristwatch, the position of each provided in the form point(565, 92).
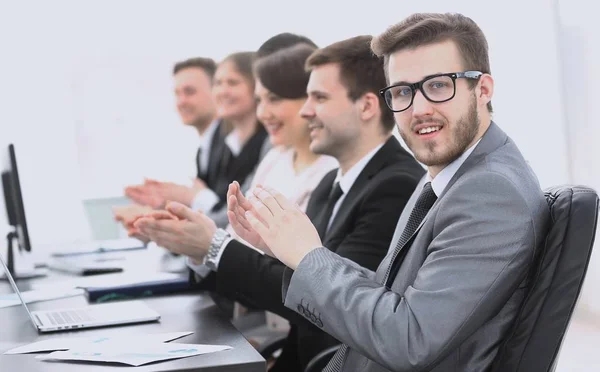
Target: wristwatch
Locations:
point(215, 247)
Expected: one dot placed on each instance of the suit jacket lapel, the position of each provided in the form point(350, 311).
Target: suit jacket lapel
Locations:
point(319, 198)
point(379, 160)
point(493, 138)
point(216, 154)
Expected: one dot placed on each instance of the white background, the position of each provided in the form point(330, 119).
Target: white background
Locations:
point(86, 89)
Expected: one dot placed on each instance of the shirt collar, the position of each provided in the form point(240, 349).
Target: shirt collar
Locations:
point(347, 180)
point(439, 183)
point(206, 137)
point(233, 142)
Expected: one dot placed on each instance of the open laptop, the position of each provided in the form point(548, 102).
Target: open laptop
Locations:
point(85, 317)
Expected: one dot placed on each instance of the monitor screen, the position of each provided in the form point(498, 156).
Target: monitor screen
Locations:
point(13, 197)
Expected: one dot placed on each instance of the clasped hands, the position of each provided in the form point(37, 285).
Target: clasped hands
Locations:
point(266, 220)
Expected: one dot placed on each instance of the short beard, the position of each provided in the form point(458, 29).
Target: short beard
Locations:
point(463, 134)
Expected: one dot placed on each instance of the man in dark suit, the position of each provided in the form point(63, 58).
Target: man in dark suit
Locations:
point(196, 107)
point(457, 268)
point(355, 207)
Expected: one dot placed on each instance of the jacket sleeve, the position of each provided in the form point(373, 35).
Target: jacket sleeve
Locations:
point(256, 280)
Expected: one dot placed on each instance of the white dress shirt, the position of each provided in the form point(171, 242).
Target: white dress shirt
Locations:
point(206, 143)
point(439, 182)
point(206, 199)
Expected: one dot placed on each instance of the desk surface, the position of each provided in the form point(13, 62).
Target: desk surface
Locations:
point(182, 312)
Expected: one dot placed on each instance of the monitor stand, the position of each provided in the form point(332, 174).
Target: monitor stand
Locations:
point(24, 270)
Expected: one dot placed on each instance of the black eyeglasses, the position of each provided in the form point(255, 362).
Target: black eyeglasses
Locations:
point(435, 88)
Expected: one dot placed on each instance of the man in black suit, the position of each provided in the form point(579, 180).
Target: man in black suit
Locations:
point(355, 207)
point(196, 107)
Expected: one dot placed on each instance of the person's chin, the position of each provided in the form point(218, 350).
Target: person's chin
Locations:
point(275, 140)
point(316, 147)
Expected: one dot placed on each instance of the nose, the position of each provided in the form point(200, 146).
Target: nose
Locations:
point(421, 107)
point(179, 100)
point(218, 91)
point(307, 111)
point(262, 113)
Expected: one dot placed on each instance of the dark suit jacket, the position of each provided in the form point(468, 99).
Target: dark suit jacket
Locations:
point(361, 231)
point(224, 168)
point(217, 147)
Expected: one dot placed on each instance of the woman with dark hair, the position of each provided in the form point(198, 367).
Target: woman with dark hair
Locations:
point(290, 166)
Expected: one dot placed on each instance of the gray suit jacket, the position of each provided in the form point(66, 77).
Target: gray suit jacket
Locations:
point(460, 284)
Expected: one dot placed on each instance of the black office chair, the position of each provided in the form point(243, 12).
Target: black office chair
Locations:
point(534, 341)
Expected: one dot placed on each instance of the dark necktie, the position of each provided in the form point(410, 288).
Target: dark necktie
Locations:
point(334, 196)
point(422, 206)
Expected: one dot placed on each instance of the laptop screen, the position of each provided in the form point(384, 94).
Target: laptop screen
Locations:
point(16, 289)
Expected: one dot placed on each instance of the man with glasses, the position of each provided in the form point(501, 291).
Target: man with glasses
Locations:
point(455, 274)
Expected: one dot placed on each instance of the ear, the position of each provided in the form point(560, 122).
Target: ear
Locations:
point(369, 106)
point(485, 89)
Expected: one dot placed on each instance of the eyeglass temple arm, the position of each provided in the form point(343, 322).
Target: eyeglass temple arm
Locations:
point(469, 74)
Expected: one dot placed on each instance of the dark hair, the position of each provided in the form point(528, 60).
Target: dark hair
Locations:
point(207, 64)
point(282, 41)
point(243, 62)
point(429, 28)
point(283, 72)
point(361, 71)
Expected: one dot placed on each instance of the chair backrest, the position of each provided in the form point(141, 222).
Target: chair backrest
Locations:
point(534, 341)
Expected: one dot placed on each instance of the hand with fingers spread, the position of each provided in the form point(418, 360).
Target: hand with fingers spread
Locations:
point(179, 229)
point(283, 227)
point(237, 206)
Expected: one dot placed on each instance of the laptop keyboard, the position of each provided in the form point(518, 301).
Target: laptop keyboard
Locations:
point(70, 316)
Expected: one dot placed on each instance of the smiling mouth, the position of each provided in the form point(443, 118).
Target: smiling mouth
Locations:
point(314, 129)
point(429, 130)
point(274, 127)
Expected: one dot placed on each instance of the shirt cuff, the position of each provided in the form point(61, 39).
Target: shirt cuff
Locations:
point(205, 200)
point(200, 269)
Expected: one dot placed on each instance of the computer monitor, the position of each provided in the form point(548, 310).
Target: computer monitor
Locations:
point(13, 198)
point(15, 211)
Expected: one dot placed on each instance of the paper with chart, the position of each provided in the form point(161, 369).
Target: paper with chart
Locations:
point(12, 299)
point(54, 344)
point(133, 354)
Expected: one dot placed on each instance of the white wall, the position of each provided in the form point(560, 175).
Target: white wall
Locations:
point(36, 114)
point(580, 45)
point(88, 85)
